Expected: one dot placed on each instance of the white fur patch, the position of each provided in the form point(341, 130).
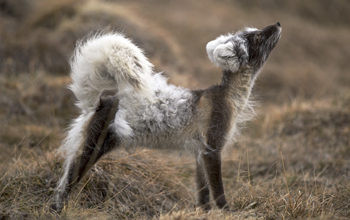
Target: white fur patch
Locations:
point(225, 57)
point(214, 43)
point(72, 145)
point(171, 111)
point(121, 126)
point(221, 51)
point(75, 136)
point(105, 62)
point(250, 29)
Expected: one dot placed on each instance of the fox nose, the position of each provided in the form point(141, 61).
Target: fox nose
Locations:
point(278, 24)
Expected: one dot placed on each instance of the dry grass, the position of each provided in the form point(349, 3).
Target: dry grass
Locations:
point(144, 186)
point(304, 115)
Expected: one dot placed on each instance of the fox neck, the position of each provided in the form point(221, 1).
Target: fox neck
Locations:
point(238, 86)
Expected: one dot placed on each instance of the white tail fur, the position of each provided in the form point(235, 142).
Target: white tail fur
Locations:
point(105, 62)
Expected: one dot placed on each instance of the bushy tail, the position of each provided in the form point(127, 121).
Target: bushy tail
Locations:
point(105, 62)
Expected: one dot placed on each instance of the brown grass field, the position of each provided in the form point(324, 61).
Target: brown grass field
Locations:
point(291, 161)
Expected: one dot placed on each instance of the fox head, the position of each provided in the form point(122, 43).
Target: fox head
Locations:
point(245, 49)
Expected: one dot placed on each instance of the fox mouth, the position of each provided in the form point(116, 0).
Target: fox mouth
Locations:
point(261, 43)
point(273, 33)
point(272, 29)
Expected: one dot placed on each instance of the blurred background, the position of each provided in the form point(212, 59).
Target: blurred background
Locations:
point(303, 89)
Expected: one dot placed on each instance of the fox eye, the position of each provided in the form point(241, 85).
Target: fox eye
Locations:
point(257, 37)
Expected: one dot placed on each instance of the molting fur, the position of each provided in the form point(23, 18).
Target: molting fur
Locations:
point(106, 62)
point(147, 111)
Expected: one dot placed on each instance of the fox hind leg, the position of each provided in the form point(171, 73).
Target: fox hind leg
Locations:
point(100, 140)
